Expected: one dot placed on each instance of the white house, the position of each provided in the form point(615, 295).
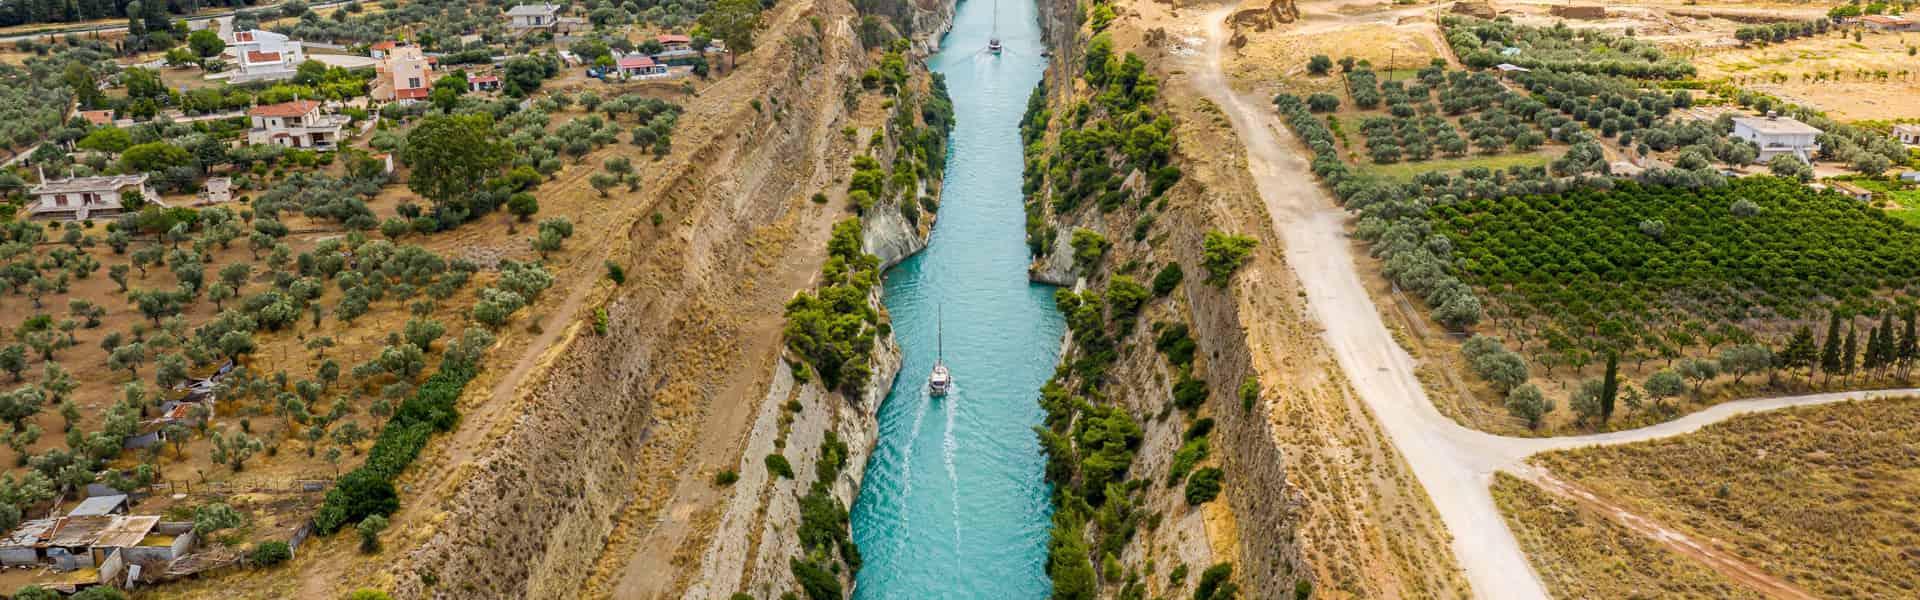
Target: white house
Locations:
point(82, 198)
point(296, 124)
point(263, 56)
point(1777, 135)
point(640, 66)
point(527, 17)
point(1907, 134)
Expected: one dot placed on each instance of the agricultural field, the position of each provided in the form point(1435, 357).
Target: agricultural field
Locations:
point(1430, 115)
point(1821, 496)
point(1580, 554)
point(1694, 298)
point(1872, 77)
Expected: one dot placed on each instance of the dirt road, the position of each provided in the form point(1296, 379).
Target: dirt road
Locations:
point(1453, 463)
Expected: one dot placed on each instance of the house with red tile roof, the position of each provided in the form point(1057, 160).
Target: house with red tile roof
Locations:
point(640, 66)
point(404, 75)
point(296, 124)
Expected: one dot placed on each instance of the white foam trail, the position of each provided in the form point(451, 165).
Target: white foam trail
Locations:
point(952, 447)
point(906, 469)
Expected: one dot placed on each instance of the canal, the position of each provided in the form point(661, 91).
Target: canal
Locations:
point(954, 504)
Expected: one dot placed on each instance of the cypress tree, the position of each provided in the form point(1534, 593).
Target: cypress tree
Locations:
point(1609, 387)
point(1830, 351)
point(1887, 349)
point(1870, 362)
point(1909, 347)
point(1849, 352)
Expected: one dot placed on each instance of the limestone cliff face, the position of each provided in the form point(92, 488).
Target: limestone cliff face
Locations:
point(754, 540)
point(606, 452)
point(1252, 523)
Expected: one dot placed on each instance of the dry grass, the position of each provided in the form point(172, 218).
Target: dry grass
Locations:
point(1583, 555)
point(1779, 69)
point(1821, 496)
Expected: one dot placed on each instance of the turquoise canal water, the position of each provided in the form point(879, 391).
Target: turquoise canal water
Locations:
point(954, 504)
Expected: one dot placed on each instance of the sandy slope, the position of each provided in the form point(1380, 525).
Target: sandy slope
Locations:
point(1453, 463)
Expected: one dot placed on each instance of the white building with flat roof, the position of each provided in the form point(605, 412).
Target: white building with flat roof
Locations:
point(82, 198)
point(1777, 135)
point(260, 55)
point(527, 17)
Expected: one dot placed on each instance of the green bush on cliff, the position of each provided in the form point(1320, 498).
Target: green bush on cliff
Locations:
point(1223, 253)
point(832, 329)
point(1204, 486)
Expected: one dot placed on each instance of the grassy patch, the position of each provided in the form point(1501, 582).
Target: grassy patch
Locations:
point(1822, 496)
point(1405, 171)
point(1582, 555)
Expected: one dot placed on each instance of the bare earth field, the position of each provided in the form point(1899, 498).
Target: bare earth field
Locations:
point(1821, 496)
point(1873, 78)
point(1583, 555)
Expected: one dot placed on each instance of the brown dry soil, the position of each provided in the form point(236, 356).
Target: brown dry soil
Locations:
point(1581, 554)
point(1822, 497)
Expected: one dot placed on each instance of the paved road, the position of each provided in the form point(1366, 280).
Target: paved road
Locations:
point(123, 27)
point(1453, 463)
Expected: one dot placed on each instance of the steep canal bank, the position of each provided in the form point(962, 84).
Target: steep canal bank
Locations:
point(953, 503)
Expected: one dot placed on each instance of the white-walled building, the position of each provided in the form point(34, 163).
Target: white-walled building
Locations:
point(260, 55)
point(1907, 134)
point(297, 124)
point(527, 17)
point(1776, 135)
point(82, 198)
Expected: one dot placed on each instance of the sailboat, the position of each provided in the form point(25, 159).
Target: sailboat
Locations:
point(940, 381)
point(993, 43)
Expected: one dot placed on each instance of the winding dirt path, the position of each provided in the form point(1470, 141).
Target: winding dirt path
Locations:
point(1455, 464)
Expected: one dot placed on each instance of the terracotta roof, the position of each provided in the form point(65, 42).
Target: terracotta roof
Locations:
point(285, 109)
point(411, 94)
point(256, 56)
point(244, 36)
point(386, 45)
point(484, 79)
point(98, 117)
point(635, 61)
point(674, 38)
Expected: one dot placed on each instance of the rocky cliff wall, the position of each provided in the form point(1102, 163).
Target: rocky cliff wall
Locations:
point(1253, 523)
point(616, 429)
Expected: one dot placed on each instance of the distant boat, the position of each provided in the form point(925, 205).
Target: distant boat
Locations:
point(993, 43)
point(940, 381)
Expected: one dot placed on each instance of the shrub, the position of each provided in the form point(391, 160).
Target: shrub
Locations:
point(267, 554)
point(1223, 254)
point(1168, 278)
point(777, 465)
point(1204, 486)
point(725, 478)
point(368, 594)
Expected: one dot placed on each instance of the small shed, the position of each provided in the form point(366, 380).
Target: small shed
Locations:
point(1910, 176)
point(23, 545)
point(1853, 191)
point(101, 506)
point(219, 190)
point(125, 533)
